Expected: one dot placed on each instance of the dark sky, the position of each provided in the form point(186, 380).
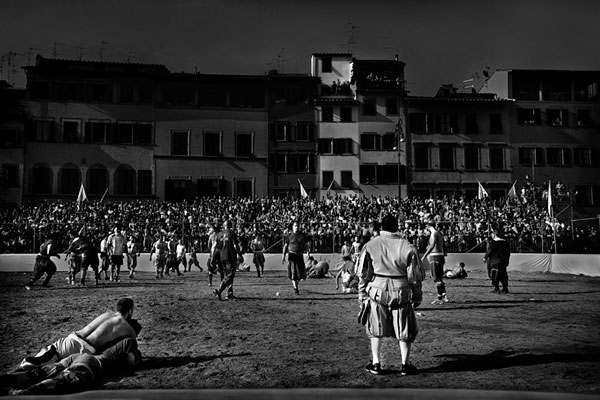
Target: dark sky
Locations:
point(441, 41)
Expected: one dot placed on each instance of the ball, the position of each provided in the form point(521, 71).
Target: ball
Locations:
point(277, 294)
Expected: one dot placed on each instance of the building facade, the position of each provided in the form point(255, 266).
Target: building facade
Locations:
point(553, 126)
point(360, 125)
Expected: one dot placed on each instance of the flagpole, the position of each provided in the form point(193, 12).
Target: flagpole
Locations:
point(106, 191)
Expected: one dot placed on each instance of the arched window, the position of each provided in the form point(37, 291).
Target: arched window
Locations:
point(69, 179)
point(125, 180)
point(97, 180)
point(41, 179)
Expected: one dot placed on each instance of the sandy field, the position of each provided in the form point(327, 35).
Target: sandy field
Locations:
point(542, 336)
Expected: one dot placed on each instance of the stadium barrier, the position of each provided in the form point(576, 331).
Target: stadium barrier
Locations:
point(576, 264)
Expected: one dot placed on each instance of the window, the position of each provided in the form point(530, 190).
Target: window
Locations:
point(305, 131)
point(369, 141)
point(326, 64)
point(346, 114)
point(9, 174)
point(40, 130)
point(70, 131)
point(212, 143)
point(343, 146)
point(67, 92)
point(304, 162)
point(528, 116)
point(125, 132)
point(526, 87)
point(417, 123)
point(209, 187)
point(243, 187)
point(446, 123)
point(102, 93)
point(370, 106)
point(583, 157)
point(557, 117)
point(243, 144)
point(583, 118)
point(558, 156)
point(281, 131)
point(97, 180)
point(69, 179)
point(347, 180)
point(471, 123)
point(10, 138)
point(471, 158)
point(447, 156)
point(99, 131)
point(496, 124)
point(144, 133)
point(556, 88)
point(280, 163)
point(527, 155)
point(180, 143)
point(368, 174)
point(327, 114)
point(390, 174)
point(126, 94)
point(125, 180)
point(421, 156)
point(326, 179)
point(391, 106)
point(325, 146)
point(145, 95)
point(42, 179)
point(586, 90)
point(144, 182)
point(39, 90)
point(496, 158)
point(390, 141)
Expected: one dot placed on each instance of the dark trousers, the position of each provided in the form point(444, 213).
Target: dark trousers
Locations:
point(43, 265)
point(228, 268)
point(499, 276)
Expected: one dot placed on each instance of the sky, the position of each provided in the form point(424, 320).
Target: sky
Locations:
point(440, 41)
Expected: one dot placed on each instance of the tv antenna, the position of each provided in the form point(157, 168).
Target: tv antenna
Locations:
point(350, 42)
point(102, 47)
point(54, 52)
point(30, 53)
point(81, 52)
point(12, 66)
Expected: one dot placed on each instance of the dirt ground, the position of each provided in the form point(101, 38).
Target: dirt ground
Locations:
point(543, 336)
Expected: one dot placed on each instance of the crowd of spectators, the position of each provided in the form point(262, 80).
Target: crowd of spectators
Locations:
point(329, 221)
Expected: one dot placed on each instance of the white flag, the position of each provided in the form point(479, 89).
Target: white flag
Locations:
point(481, 193)
point(302, 190)
point(81, 196)
point(550, 198)
point(512, 193)
point(329, 188)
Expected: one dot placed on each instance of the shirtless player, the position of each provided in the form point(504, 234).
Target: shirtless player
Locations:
point(101, 333)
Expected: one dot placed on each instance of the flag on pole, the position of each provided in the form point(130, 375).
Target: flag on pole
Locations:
point(81, 196)
point(550, 199)
point(481, 193)
point(512, 193)
point(329, 188)
point(302, 190)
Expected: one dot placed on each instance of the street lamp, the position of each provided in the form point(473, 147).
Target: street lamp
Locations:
point(399, 136)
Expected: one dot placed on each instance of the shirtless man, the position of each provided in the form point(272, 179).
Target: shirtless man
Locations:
point(102, 332)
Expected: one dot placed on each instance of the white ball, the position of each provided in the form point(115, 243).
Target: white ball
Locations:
point(277, 294)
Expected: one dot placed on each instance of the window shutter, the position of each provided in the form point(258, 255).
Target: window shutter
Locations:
point(88, 132)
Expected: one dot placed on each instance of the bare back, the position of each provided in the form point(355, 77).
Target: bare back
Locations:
point(107, 328)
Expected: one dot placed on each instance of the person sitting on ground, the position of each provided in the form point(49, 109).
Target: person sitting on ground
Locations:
point(75, 373)
point(98, 335)
point(349, 277)
point(458, 272)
